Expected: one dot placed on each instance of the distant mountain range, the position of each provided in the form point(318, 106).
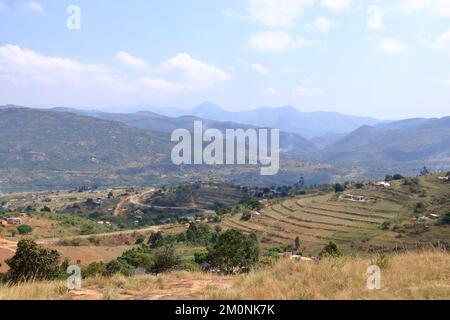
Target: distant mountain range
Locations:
point(328, 126)
point(61, 148)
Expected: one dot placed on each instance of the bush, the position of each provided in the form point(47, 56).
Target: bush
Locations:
point(397, 176)
point(156, 240)
point(201, 256)
point(24, 229)
point(411, 181)
point(33, 263)
point(330, 250)
point(339, 188)
point(359, 185)
point(165, 259)
point(445, 220)
point(46, 209)
point(93, 269)
point(420, 207)
point(246, 216)
point(234, 252)
point(138, 258)
point(385, 225)
point(118, 266)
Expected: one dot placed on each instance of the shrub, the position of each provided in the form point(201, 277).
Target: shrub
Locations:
point(420, 207)
point(33, 263)
point(46, 209)
point(24, 229)
point(118, 266)
point(201, 256)
point(234, 252)
point(385, 225)
point(339, 188)
point(445, 220)
point(138, 258)
point(165, 259)
point(359, 185)
point(246, 216)
point(411, 181)
point(93, 269)
point(397, 176)
point(330, 250)
point(156, 240)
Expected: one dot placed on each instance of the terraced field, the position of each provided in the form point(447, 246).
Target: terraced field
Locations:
point(318, 219)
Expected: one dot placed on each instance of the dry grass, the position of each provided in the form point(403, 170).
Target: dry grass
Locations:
point(419, 275)
point(414, 275)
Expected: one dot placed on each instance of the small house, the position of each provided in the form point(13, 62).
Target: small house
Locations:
point(14, 221)
point(383, 184)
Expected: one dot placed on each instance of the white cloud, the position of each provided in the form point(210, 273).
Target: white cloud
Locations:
point(375, 19)
point(132, 61)
point(391, 46)
point(304, 90)
point(260, 69)
point(437, 8)
point(336, 5)
point(277, 13)
point(55, 80)
point(276, 41)
point(33, 6)
point(322, 24)
point(194, 73)
point(269, 91)
point(442, 42)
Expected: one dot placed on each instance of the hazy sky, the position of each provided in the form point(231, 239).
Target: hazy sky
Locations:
point(385, 58)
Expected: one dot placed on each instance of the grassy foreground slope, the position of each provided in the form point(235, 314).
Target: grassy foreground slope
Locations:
point(413, 275)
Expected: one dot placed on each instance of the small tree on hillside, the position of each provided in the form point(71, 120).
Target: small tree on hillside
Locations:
point(339, 188)
point(24, 229)
point(330, 250)
point(234, 252)
point(33, 262)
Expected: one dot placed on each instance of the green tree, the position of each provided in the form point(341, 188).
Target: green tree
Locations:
point(33, 263)
point(234, 252)
point(24, 229)
point(156, 240)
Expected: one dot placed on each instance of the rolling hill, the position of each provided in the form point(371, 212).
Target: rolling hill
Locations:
point(406, 145)
point(48, 150)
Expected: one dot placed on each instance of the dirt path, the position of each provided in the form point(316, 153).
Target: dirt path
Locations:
point(172, 289)
point(134, 199)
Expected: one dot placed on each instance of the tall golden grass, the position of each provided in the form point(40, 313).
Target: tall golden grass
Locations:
point(413, 275)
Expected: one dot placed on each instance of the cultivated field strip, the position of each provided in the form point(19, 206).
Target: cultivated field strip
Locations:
point(320, 218)
point(307, 224)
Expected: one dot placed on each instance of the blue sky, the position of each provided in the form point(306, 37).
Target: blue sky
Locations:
point(384, 58)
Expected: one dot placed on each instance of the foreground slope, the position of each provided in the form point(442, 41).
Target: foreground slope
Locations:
point(413, 275)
